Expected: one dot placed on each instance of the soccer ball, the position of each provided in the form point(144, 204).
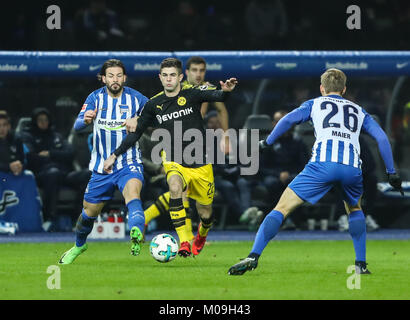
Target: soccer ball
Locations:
point(164, 247)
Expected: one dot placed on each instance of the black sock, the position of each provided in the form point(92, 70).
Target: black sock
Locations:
point(254, 255)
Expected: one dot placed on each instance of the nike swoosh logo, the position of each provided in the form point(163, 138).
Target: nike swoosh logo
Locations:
point(401, 65)
point(159, 107)
point(92, 68)
point(61, 259)
point(256, 66)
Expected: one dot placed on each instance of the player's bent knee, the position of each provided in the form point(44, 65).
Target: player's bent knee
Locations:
point(133, 186)
point(283, 210)
point(175, 186)
point(350, 209)
point(132, 190)
point(175, 191)
point(92, 209)
point(288, 202)
point(205, 211)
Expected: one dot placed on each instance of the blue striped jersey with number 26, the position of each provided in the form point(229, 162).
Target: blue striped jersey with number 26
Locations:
point(337, 124)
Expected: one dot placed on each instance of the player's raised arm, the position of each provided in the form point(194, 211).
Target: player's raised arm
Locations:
point(299, 115)
point(229, 84)
point(87, 113)
point(206, 93)
point(373, 128)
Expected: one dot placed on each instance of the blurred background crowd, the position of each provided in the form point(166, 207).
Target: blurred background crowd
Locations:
point(207, 25)
point(41, 111)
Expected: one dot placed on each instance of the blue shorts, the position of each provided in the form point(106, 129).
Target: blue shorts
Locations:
point(317, 178)
point(101, 187)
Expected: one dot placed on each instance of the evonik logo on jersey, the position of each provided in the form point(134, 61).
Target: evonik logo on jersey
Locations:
point(174, 115)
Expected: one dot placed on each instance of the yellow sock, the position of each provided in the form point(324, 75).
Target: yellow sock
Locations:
point(188, 220)
point(178, 217)
point(206, 224)
point(160, 206)
point(151, 213)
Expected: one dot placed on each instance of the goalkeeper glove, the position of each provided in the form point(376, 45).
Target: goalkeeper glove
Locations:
point(395, 182)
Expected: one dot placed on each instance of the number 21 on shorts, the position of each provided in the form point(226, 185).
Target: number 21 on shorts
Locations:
point(135, 169)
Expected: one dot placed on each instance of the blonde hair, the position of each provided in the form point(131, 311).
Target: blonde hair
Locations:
point(333, 80)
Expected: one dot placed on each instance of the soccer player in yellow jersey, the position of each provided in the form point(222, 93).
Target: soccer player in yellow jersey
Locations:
point(180, 106)
point(195, 71)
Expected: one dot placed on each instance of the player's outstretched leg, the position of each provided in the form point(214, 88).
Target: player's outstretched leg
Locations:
point(357, 230)
point(188, 220)
point(205, 214)
point(183, 229)
point(267, 231)
point(178, 218)
point(83, 228)
point(200, 238)
point(177, 211)
point(184, 249)
point(361, 267)
point(288, 202)
point(136, 238)
point(247, 264)
point(136, 221)
point(160, 206)
point(69, 256)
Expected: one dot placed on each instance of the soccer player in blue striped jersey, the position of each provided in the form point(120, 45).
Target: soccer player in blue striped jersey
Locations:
point(335, 161)
point(113, 109)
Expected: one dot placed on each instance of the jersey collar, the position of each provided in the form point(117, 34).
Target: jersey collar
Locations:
point(335, 96)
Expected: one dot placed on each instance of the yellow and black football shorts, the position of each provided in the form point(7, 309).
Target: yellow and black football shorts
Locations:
point(199, 181)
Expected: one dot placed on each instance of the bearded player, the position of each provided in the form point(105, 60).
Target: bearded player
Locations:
point(113, 109)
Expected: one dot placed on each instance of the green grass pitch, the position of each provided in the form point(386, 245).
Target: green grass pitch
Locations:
point(287, 270)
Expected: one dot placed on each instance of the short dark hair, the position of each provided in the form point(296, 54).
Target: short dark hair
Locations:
point(108, 64)
point(4, 115)
point(171, 63)
point(195, 60)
